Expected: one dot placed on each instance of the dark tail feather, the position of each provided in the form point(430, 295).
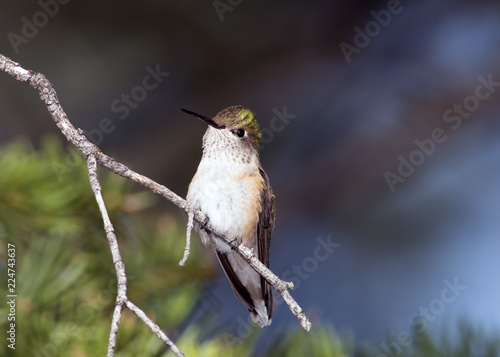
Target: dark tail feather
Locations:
point(239, 289)
point(263, 318)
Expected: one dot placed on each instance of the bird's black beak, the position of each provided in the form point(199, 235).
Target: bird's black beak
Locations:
point(210, 122)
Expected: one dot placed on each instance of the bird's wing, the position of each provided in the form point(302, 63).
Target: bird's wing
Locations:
point(264, 230)
point(239, 289)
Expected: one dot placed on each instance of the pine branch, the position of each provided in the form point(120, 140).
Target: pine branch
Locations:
point(94, 156)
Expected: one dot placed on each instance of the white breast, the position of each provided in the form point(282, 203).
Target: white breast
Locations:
point(225, 192)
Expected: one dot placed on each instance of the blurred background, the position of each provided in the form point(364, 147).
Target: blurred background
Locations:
point(380, 138)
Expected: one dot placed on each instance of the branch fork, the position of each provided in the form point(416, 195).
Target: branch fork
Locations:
point(94, 156)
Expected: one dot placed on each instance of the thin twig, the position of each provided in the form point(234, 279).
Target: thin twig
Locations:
point(280, 285)
point(49, 96)
point(189, 229)
point(115, 252)
point(121, 298)
point(115, 323)
point(154, 327)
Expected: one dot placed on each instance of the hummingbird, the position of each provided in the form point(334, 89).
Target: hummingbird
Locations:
point(233, 191)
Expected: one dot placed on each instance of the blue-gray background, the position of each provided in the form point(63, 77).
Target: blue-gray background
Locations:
point(354, 116)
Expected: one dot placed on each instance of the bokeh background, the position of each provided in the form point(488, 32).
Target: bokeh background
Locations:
point(361, 83)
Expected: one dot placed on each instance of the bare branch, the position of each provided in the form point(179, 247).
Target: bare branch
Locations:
point(280, 285)
point(189, 229)
point(154, 327)
point(115, 252)
point(115, 323)
point(49, 96)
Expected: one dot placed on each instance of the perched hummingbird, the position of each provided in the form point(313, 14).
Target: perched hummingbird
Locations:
point(233, 190)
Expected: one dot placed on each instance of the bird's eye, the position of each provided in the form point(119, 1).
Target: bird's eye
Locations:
point(240, 133)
